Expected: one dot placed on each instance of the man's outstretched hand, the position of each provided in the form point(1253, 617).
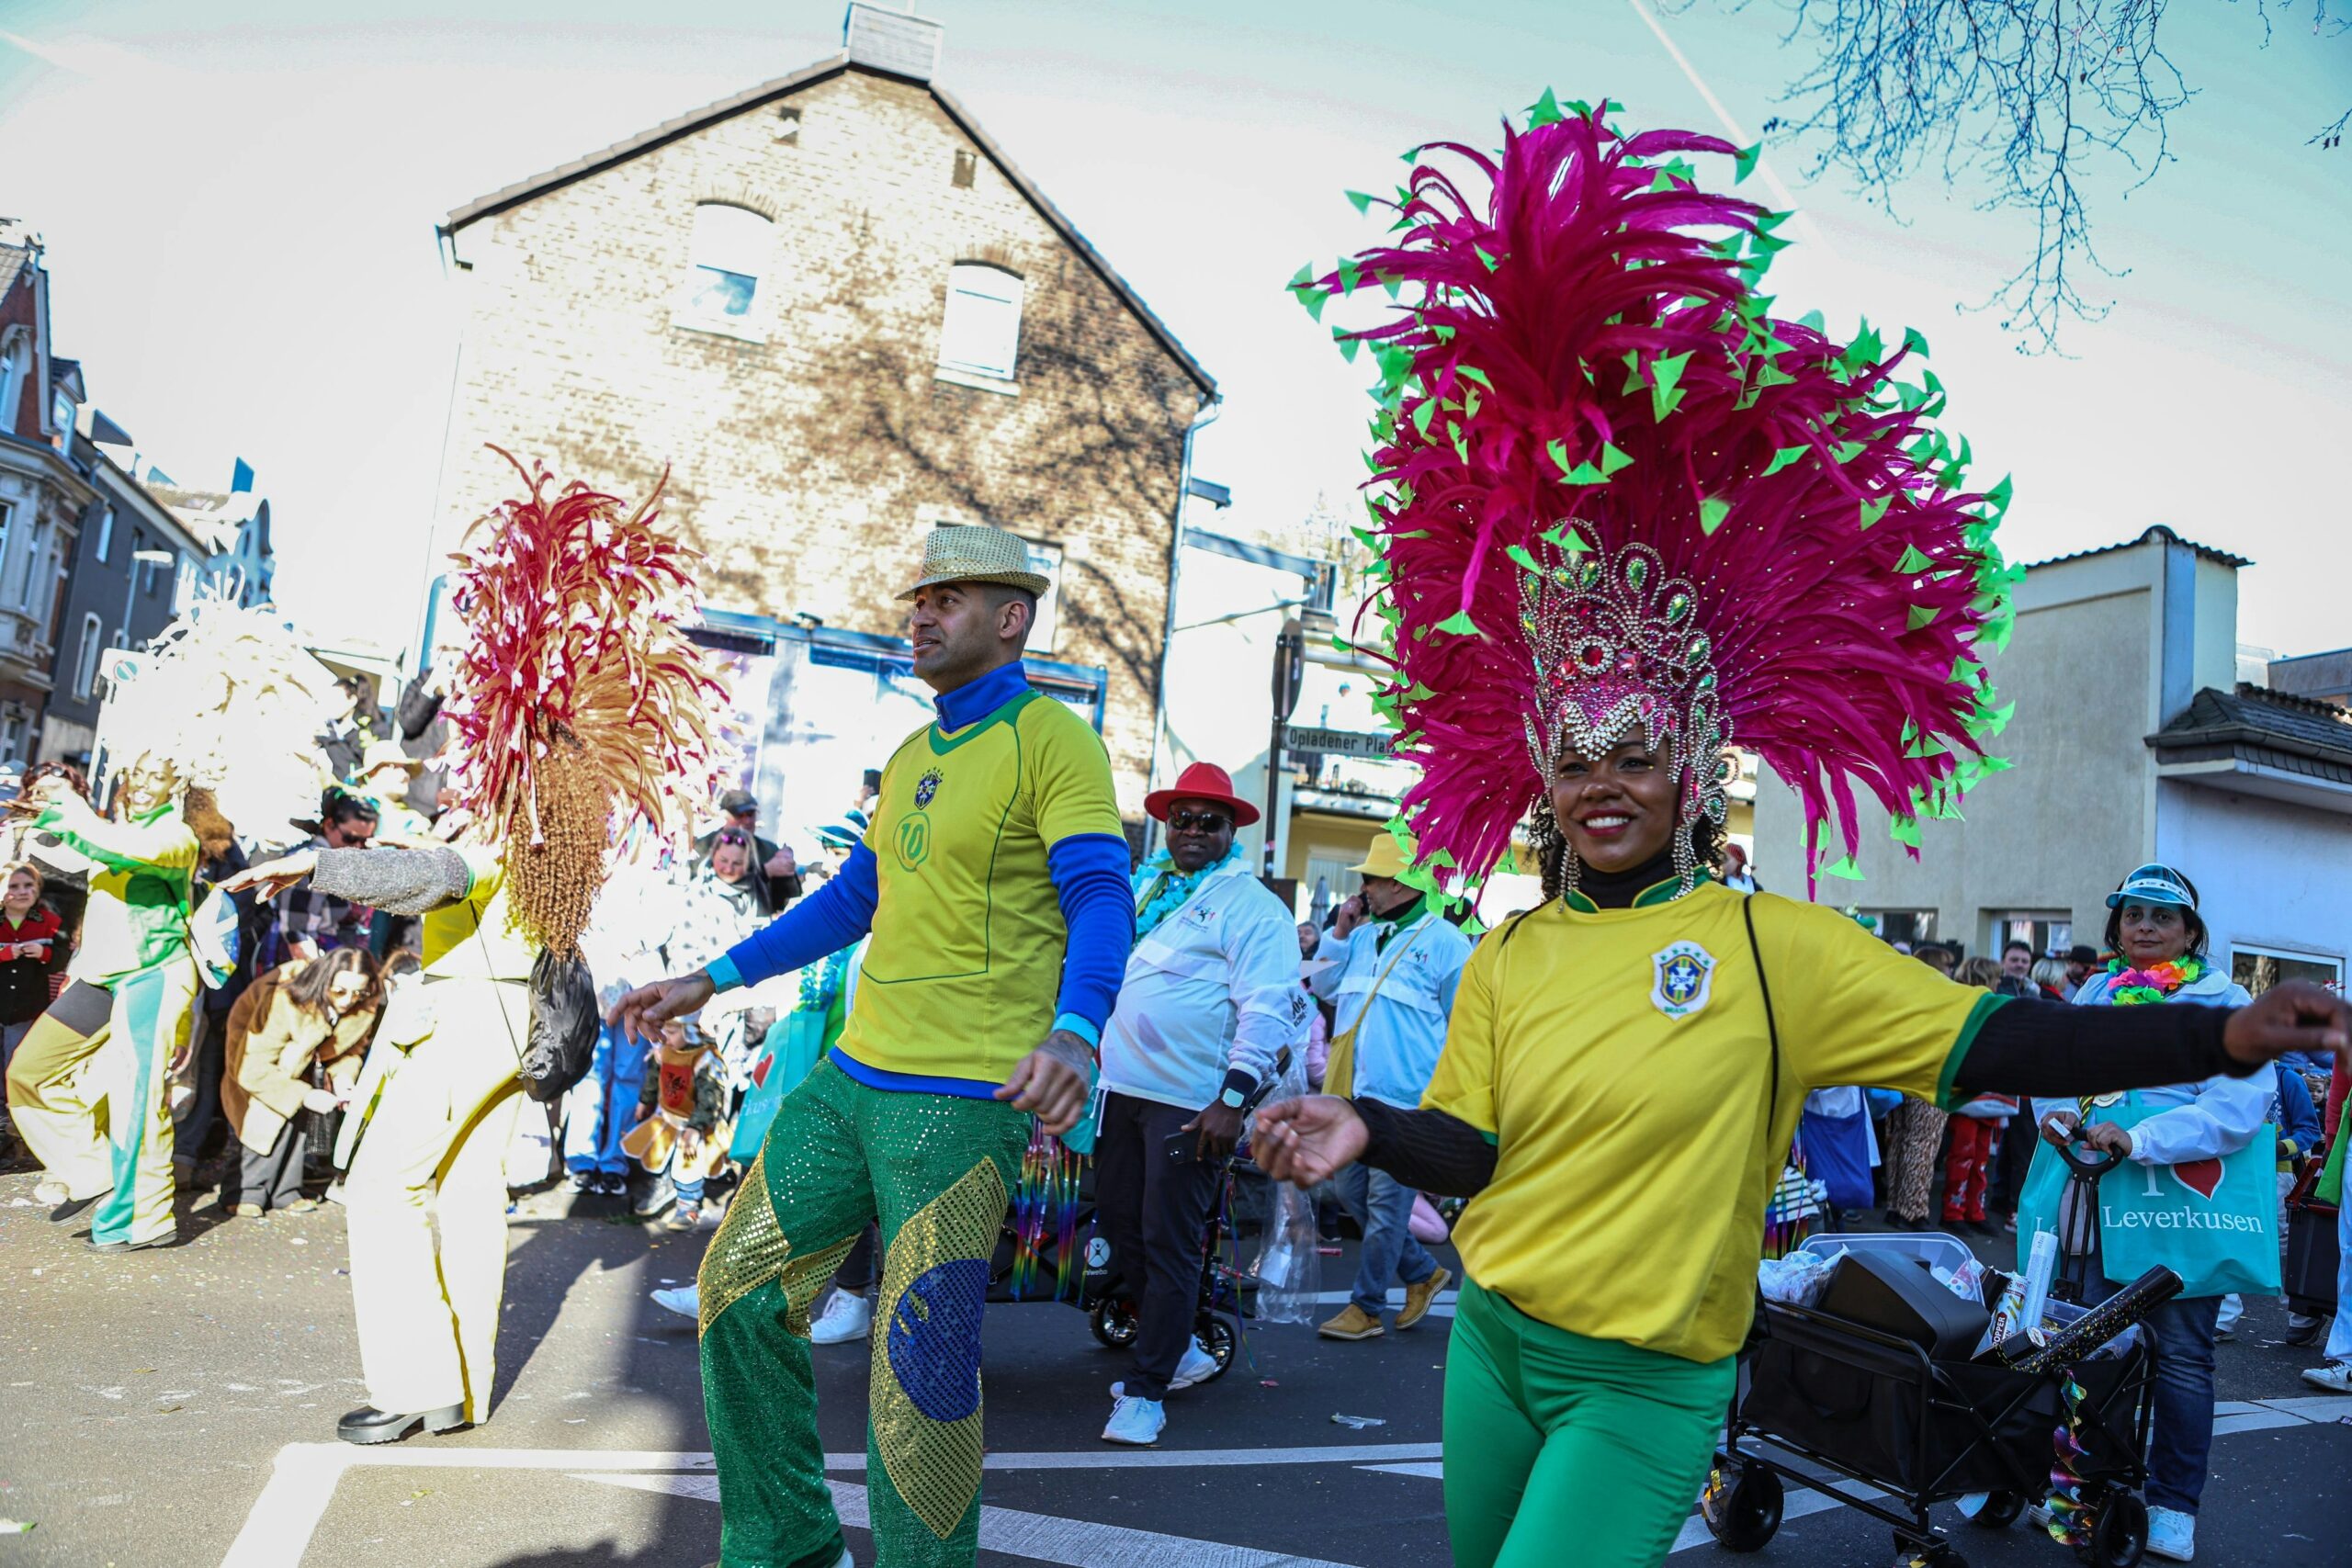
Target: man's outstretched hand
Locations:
point(1309, 1140)
point(2295, 1015)
point(1052, 1082)
point(640, 1014)
point(273, 877)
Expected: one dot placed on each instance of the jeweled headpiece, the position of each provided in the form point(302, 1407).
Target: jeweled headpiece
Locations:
point(1615, 495)
point(1618, 653)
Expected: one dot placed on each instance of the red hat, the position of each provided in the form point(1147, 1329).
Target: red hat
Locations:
point(1201, 781)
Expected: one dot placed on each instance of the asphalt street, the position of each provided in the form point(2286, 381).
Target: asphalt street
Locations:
point(177, 1407)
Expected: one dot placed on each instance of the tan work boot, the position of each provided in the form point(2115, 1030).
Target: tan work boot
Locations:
point(1353, 1322)
point(1417, 1299)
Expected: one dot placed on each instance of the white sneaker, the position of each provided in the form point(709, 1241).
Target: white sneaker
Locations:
point(684, 1300)
point(1136, 1421)
point(2172, 1533)
point(2336, 1377)
point(847, 1316)
point(1198, 1366)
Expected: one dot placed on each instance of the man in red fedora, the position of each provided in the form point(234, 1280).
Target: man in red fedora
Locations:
point(1210, 1000)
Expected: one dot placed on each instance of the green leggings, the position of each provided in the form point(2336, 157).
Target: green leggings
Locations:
point(935, 1170)
point(1553, 1439)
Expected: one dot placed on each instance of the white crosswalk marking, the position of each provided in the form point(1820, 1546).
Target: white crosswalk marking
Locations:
point(1039, 1538)
point(285, 1515)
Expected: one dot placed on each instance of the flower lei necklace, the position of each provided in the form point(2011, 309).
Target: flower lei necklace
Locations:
point(2134, 988)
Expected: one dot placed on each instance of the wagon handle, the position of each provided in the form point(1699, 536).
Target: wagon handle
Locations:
point(2094, 1165)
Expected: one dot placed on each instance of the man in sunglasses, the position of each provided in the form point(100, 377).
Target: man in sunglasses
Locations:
point(1210, 1000)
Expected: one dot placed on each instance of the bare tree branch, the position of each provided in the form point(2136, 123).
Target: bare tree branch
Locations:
point(2029, 100)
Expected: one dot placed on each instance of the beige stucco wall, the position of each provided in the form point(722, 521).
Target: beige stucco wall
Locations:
point(2077, 811)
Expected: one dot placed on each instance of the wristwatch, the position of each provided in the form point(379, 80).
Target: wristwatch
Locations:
point(1238, 1086)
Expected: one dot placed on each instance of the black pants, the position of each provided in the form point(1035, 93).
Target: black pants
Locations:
point(270, 1177)
point(195, 1123)
point(1155, 1212)
point(856, 1273)
point(2015, 1159)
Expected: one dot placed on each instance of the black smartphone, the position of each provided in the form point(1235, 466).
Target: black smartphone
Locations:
point(1183, 1147)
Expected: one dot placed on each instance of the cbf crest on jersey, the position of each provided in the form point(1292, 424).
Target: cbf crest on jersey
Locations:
point(925, 787)
point(1684, 974)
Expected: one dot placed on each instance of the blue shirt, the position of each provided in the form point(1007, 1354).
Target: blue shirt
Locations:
point(1400, 1027)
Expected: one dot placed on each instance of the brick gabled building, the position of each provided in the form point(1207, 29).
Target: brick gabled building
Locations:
point(840, 313)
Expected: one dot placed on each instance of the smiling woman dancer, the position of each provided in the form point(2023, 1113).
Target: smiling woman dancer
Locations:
point(1627, 515)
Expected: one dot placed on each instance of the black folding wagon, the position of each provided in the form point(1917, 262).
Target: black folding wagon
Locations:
point(1874, 1422)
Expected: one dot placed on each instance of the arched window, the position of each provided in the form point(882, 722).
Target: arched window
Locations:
point(732, 246)
point(16, 369)
point(36, 567)
point(983, 330)
point(85, 658)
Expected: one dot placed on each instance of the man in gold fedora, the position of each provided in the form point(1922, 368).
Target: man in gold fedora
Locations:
point(993, 880)
point(1394, 962)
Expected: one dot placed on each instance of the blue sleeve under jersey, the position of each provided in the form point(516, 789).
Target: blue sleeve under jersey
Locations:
point(834, 917)
point(1089, 873)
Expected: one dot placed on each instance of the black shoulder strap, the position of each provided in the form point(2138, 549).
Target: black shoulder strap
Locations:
point(1772, 1024)
point(1509, 929)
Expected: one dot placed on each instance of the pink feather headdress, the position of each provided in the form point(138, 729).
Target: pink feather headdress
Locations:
point(1614, 496)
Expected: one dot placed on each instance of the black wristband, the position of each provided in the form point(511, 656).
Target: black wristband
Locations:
point(1239, 1080)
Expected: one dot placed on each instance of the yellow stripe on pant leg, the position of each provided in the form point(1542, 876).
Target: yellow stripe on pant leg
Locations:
point(924, 1391)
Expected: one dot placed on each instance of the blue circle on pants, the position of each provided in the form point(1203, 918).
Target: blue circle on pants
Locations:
point(935, 1338)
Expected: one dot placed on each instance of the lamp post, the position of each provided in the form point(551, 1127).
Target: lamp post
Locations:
point(1290, 671)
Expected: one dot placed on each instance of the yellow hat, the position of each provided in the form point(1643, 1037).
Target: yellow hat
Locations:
point(386, 754)
point(1385, 858)
point(975, 552)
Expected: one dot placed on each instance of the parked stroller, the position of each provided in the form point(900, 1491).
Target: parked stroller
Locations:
point(1226, 1295)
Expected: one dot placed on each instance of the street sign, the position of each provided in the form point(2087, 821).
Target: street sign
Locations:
point(1338, 743)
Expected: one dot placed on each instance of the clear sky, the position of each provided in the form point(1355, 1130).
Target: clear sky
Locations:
point(239, 198)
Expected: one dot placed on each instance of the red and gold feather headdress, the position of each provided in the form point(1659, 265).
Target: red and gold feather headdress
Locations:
point(580, 705)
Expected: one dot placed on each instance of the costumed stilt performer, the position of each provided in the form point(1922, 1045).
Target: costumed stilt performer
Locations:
point(994, 882)
point(1627, 518)
point(578, 707)
point(215, 721)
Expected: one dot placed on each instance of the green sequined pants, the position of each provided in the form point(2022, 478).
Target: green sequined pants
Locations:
point(936, 1172)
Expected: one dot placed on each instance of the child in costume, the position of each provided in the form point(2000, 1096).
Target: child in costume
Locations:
point(580, 709)
point(216, 723)
point(678, 1132)
point(1627, 516)
point(994, 882)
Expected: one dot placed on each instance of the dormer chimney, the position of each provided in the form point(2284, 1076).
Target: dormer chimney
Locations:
point(898, 42)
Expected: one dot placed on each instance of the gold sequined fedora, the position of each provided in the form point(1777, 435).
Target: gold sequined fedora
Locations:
point(975, 552)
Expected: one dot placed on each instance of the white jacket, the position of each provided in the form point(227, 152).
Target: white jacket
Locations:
point(1399, 1000)
point(1214, 986)
point(2193, 1121)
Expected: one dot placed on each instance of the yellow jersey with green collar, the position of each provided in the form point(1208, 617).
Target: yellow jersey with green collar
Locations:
point(1621, 1062)
point(476, 938)
point(142, 874)
point(959, 980)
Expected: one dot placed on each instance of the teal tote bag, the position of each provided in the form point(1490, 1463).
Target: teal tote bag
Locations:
point(2212, 1221)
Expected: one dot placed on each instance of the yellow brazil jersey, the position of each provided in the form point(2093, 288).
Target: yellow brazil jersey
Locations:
point(475, 938)
point(959, 980)
point(1621, 1060)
